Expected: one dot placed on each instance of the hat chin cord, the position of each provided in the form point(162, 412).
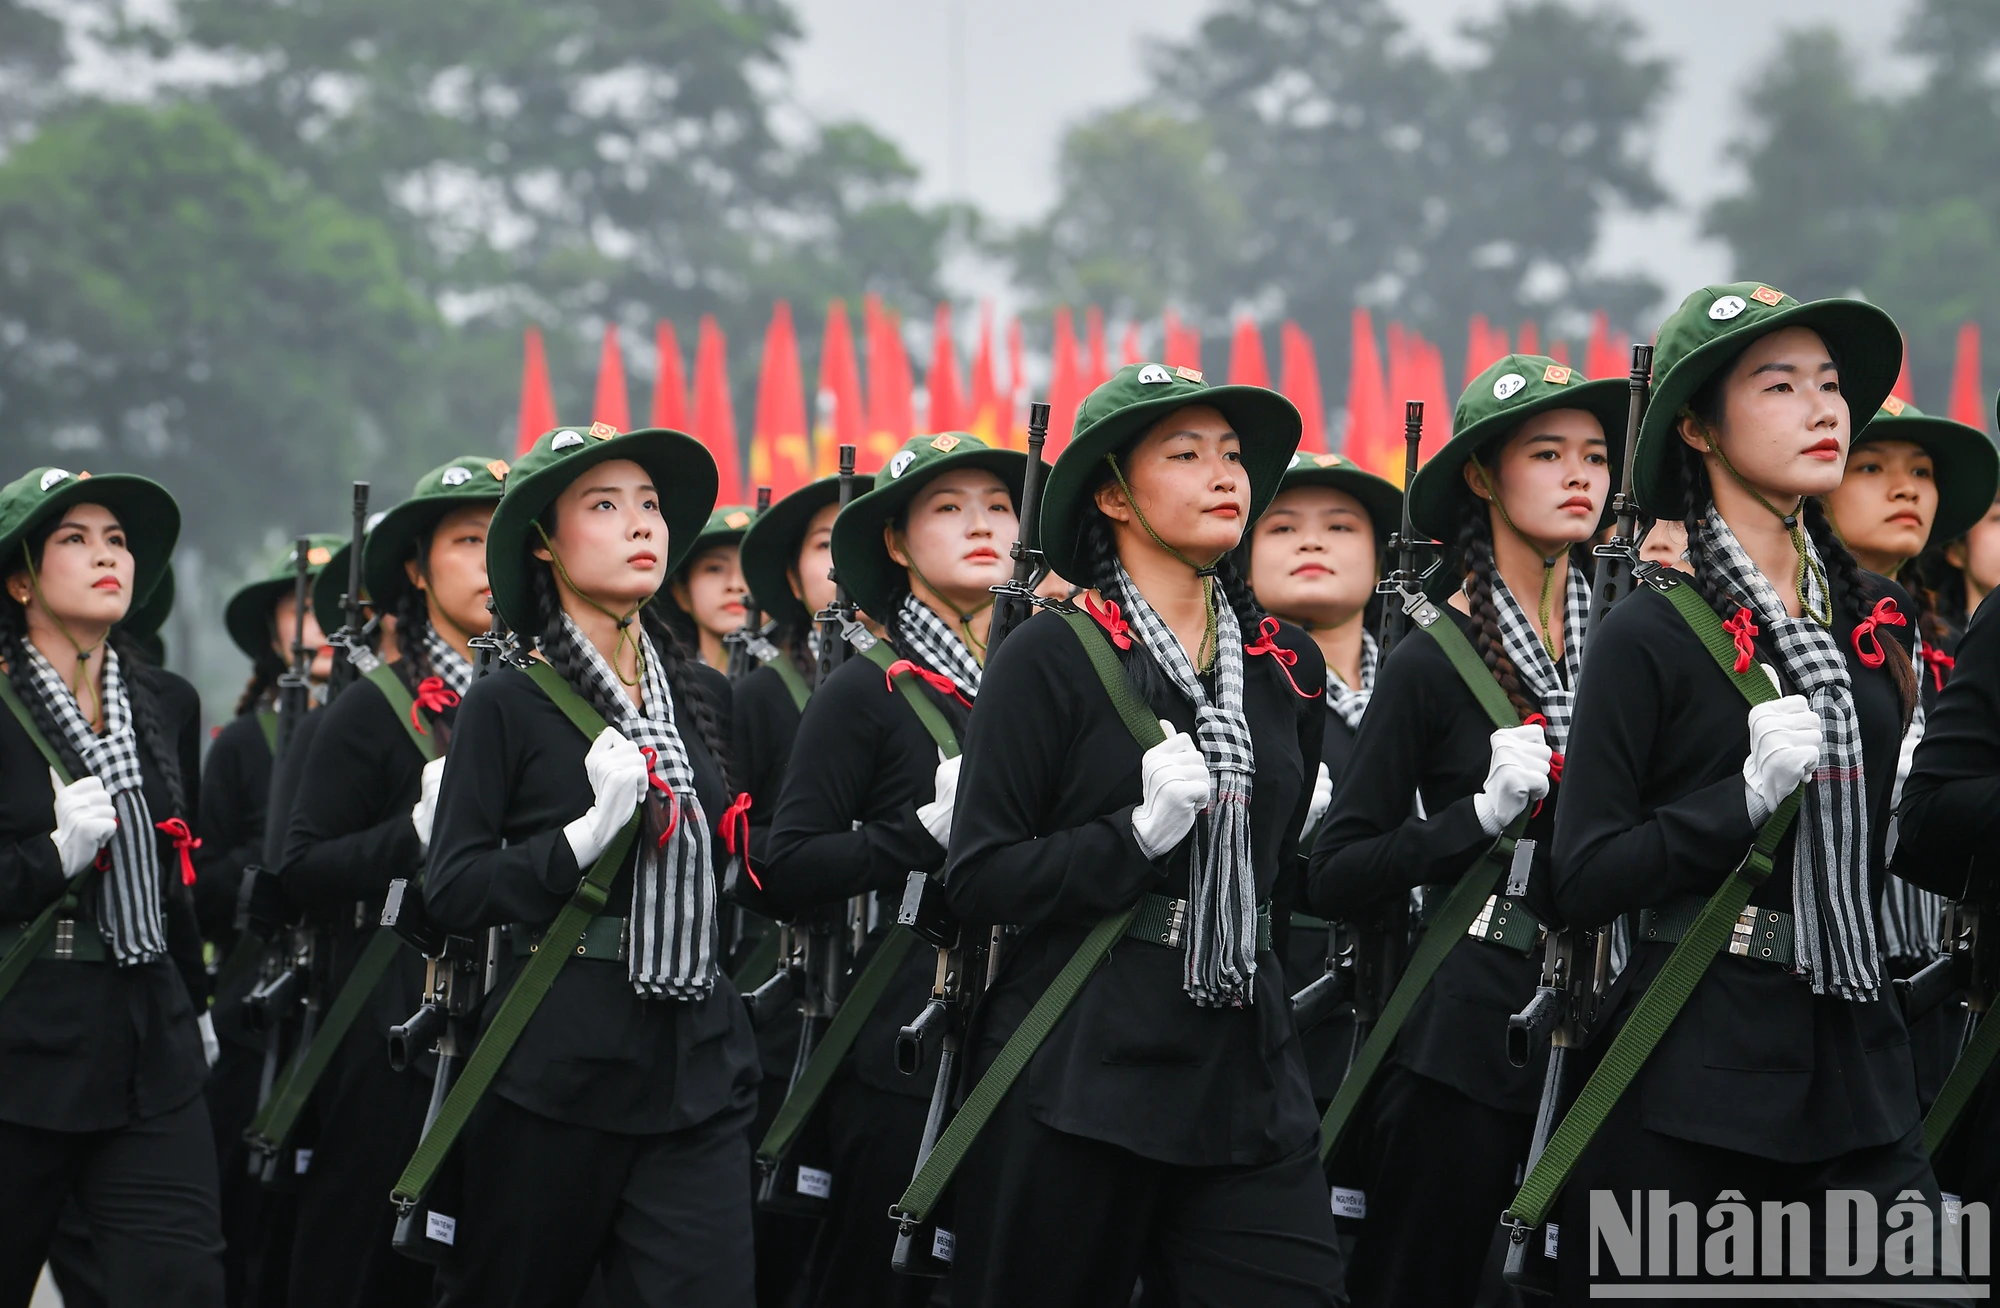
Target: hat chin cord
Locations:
point(83, 681)
point(972, 642)
point(1793, 528)
point(1205, 656)
point(1546, 608)
point(625, 633)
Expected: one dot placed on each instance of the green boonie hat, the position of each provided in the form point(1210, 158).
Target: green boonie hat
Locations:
point(248, 613)
point(1137, 396)
point(770, 548)
point(1380, 496)
point(1965, 465)
point(468, 479)
point(860, 555)
point(151, 519)
point(1714, 325)
point(725, 526)
point(1494, 403)
point(684, 477)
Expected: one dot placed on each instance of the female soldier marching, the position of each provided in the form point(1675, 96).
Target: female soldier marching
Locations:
point(1164, 1128)
point(703, 600)
point(101, 1066)
point(1787, 1073)
point(361, 820)
point(610, 1144)
point(1525, 479)
point(867, 800)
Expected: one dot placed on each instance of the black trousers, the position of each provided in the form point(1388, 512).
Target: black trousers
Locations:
point(256, 1223)
point(1437, 1168)
point(1626, 1157)
point(148, 1191)
point(371, 1118)
point(873, 1137)
point(784, 1240)
point(1049, 1219)
point(659, 1220)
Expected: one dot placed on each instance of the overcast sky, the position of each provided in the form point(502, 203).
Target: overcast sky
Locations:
point(1034, 66)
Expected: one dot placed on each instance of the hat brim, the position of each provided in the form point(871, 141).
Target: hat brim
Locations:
point(144, 509)
point(1382, 500)
point(1965, 467)
point(770, 548)
point(1863, 339)
point(1438, 492)
point(860, 555)
point(1266, 423)
point(684, 476)
point(392, 542)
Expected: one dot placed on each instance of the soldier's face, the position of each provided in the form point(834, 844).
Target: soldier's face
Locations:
point(1553, 477)
point(958, 534)
point(1186, 477)
point(84, 578)
point(1312, 556)
point(454, 576)
point(812, 575)
point(282, 631)
point(1784, 424)
point(711, 590)
point(610, 536)
point(1885, 503)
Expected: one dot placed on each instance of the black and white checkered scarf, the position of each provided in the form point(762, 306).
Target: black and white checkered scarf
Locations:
point(446, 663)
point(673, 914)
point(1556, 693)
point(1835, 917)
point(128, 896)
point(924, 637)
point(1910, 915)
point(1350, 702)
point(1221, 956)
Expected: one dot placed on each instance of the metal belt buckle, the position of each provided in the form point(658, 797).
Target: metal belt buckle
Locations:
point(65, 942)
point(1746, 926)
point(1176, 923)
point(1483, 922)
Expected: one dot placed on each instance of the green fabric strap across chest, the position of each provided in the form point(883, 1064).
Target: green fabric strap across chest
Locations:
point(931, 1179)
point(404, 707)
point(267, 722)
point(1460, 908)
point(42, 929)
point(1684, 968)
point(788, 673)
point(927, 712)
point(535, 980)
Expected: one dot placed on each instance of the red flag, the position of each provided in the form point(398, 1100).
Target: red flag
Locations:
point(613, 403)
point(1600, 357)
point(890, 421)
point(714, 414)
point(1017, 382)
point(1246, 356)
point(1528, 340)
point(983, 417)
point(942, 380)
point(1182, 348)
point(1098, 366)
point(1066, 384)
point(1968, 400)
point(1366, 440)
point(670, 396)
point(1478, 353)
point(538, 404)
point(1298, 378)
point(1430, 388)
point(842, 418)
point(780, 455)
point(1903, 390)
point(1128, 349)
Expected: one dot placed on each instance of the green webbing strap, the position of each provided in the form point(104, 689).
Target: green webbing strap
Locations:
point(531, 986)
point(1454, 917)
point(927, 713)
point(840, 1034)
point(38, 932)
point(1684, 968)
point(273, 1126)
point(1966, 1074)
point(267, 722)
point(404, 708)
point(936, 1173)
point(788, 673)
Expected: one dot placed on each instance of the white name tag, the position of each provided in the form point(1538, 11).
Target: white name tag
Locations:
point(1349, 1203)
point(441, 1228)
point(815, 1183)
point(302, 1161)
point(1549, 1240)
point(941, 1245)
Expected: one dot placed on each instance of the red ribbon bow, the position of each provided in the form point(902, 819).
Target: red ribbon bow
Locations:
point(1885, 614)
point(434, 695)
point(1941, 664)
point(185, 843)
point(937, 681)
point(1284, 658)
point(673, 801)
point(736, 834)
point(1555, 755)
point(1741, 629)
point(1108, 617)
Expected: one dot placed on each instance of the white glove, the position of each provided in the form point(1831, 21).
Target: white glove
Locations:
point(1517, 775)
point(936, 815)
point(617, 772)
point(1784, 749)
point(1321, 801)
point(1174, 784)
point(425, 811)
point(211, 1048)
point(85, 819)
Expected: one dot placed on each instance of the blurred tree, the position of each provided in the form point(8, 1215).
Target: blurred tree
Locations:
point(32, 57)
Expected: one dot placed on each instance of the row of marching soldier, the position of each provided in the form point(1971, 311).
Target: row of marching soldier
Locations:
point(1190, 872)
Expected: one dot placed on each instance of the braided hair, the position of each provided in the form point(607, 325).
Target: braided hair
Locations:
point(264, 673)
point(1475, 551)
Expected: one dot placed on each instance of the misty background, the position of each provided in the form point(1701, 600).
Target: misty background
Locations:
point(257, 250)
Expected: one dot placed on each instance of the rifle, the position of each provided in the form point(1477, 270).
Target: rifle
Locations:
point(741, 640)
point(1015, 598)
point(352, 637)
point(295, 686)
point(1576, 963)
point(1404, 579)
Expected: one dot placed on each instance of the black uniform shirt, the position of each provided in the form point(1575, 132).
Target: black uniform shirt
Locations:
point(1654, 807)
point(1042, 837)
point(95, 1046)
point(595, 1054)
point(1304, 948)
point(760, 743)
point(235, 787)
point(1426, 733)
point(1950, 823)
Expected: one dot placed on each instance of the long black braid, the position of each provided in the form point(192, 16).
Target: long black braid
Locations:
point(264, 673)
point(413, 619)
point(1475, 550)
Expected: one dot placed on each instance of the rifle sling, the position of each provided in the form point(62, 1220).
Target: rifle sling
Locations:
point(531, 986)
point(788, 673)
point(39, 931)
point(1973, 1063)
point(938, 1167)
point(1685, 966)
point(927, 712)
point(1460, 908)
point(273, 1126)
point(404, 707)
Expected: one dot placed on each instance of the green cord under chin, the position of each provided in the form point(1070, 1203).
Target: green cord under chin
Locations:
point(625, 624)
point(83, 682)
point(1546, 608)
point(1807, 564)
point(1205, 656)
point(972, 642)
